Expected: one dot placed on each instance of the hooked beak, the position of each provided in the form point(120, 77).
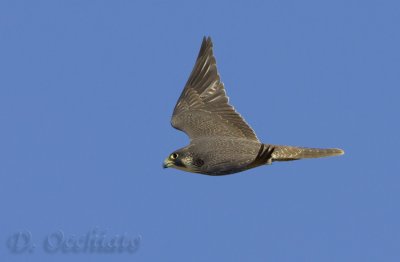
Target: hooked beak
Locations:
point(167, 163)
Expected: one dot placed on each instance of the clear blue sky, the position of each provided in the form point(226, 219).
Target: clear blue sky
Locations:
point(87, 89)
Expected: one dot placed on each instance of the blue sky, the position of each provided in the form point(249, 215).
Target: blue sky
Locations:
point(87, 90)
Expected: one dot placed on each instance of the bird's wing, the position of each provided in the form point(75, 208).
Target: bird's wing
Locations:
point(203, 108)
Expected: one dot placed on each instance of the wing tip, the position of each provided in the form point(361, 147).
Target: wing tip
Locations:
point(207, 40)
point(206, 44)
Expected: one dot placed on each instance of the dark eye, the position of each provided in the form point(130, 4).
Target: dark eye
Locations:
point(174, 156)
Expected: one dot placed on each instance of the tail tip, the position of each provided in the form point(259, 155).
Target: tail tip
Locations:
point(339, 151)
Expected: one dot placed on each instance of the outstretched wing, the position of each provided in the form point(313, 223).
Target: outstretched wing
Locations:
point(203, 108)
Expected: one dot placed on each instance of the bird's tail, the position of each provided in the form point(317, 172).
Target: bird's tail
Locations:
point(287, 153)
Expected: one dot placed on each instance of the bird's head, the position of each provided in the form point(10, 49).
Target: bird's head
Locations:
point(183, 159)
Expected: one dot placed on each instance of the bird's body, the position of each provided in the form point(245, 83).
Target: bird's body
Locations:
point(222, 142)
point(221, 155)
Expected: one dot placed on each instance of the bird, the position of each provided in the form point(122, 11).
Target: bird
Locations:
point(221, 141)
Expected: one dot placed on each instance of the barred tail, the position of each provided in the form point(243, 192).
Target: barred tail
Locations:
point(287, 153)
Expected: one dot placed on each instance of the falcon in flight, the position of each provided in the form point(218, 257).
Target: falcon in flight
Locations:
point(221, 142)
